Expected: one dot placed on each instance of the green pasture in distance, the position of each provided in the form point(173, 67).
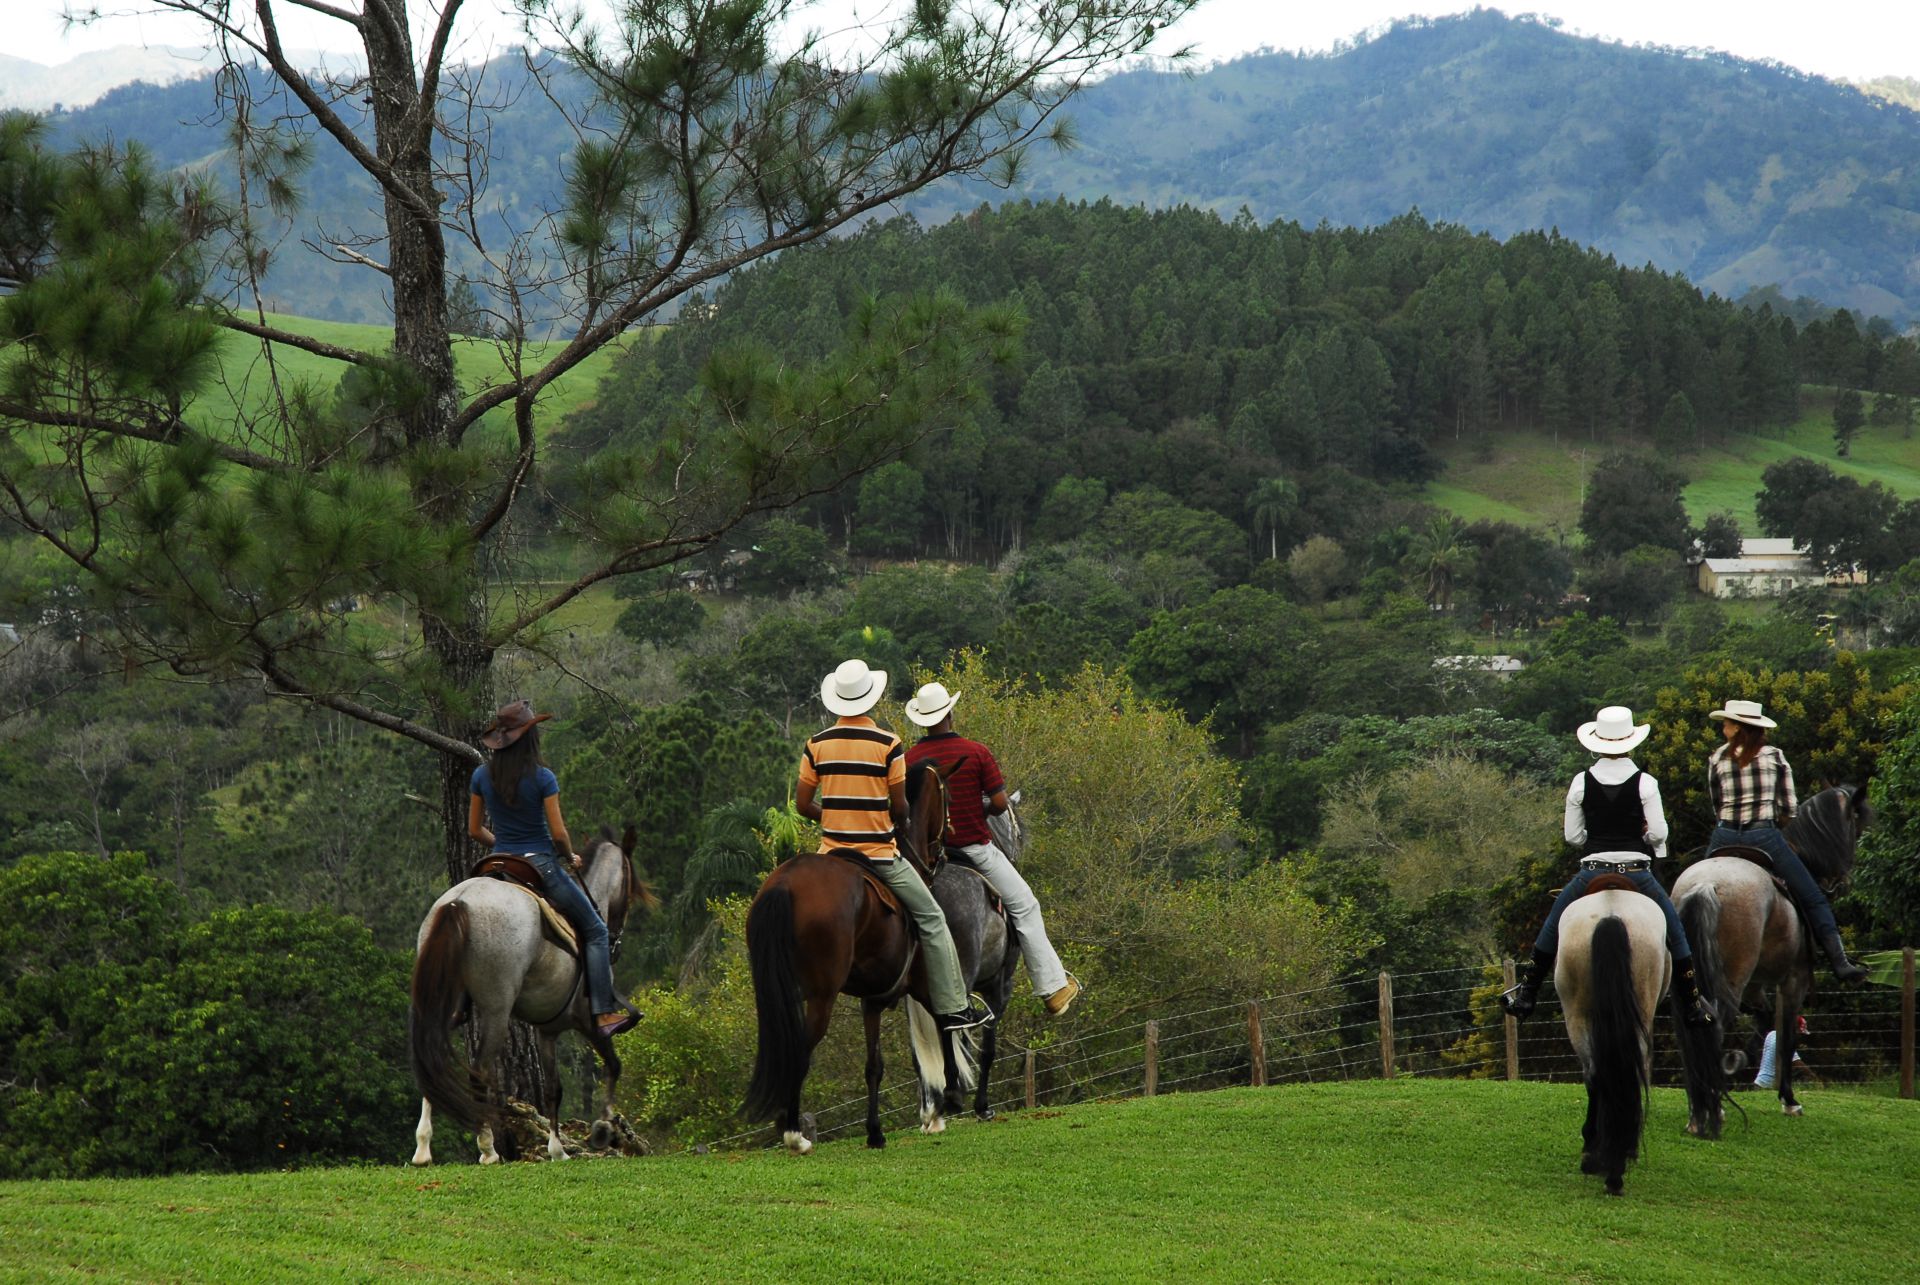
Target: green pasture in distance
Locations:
point(246, 382)
point(1369, 1180)
point(1531, 479)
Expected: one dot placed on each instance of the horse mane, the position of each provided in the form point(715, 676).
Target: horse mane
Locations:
point(1825, 829)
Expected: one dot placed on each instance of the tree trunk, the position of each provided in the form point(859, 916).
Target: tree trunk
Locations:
point(417, 265)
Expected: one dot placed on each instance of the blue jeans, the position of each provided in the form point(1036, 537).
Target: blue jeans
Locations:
point(1787, 864)
point(571, 900)
point(1548, 942)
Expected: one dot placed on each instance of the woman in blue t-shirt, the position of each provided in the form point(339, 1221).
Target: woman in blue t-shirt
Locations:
point(521, 797)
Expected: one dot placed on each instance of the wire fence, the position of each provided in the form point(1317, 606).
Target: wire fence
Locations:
point(1445, 1022)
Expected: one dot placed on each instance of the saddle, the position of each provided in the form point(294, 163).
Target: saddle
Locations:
point(889, 903)
point(1610, 883)
point(518, 872)
point(958, 858)
point(1760, 858)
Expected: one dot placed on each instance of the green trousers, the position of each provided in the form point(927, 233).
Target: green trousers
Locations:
point(948, 988)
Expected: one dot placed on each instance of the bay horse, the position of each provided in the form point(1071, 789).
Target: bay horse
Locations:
point(1612, 969)
point(483, 958)
point(817, 930)
point(1749, 941)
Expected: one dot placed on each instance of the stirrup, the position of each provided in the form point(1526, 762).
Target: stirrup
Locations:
point(1516, 1003)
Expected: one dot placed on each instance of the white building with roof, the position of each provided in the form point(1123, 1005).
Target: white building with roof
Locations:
point(1764, 569)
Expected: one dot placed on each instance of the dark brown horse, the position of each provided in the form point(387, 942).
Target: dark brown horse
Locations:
point(1750, 948)
point(818, 930)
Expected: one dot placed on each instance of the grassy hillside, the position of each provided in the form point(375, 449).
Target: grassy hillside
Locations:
point(1531, 479)
point(248, 381)
point(1404, 1180)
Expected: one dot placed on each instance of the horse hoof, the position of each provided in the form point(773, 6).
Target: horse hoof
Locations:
point(492, 1158)
point(984, 1114)
point(1615, 1187)
point(1791, 1108)
point(798, 1143)
point(876, 1141)
point(421, 1159)
point(1588, 1164)
point(936, 1125)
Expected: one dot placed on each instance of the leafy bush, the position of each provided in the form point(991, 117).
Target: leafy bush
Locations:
point(141, 1041)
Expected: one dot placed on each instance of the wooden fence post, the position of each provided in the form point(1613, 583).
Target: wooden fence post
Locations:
point(1386, 1025)
point(1906, 1022)
point(1256, 1044)
point(1153, 1058)
point(1512, 1025)
point(1030, 1102)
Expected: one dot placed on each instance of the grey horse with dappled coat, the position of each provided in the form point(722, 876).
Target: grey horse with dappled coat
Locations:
point(485, 960)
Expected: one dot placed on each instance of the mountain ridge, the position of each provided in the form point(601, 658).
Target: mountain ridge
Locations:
point(1738, 174)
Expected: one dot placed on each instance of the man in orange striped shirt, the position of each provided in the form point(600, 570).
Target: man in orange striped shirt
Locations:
point(853, 781)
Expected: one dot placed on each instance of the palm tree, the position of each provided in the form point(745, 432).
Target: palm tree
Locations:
point(1271, 505)
point(1438, 555)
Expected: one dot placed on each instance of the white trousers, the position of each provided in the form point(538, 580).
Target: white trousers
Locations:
point(1043, 964)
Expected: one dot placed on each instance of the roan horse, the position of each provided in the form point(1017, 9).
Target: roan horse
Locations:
point(988, 950)
point(817, 930)
point(1612, 970)
point(1748, 939)
point(484, 958)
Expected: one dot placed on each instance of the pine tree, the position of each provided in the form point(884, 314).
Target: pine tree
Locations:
point(1848, 419)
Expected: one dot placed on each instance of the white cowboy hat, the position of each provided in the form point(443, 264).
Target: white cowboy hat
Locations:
point(931, 704)
point(1612, 731)
point(853, 688)
point(1744, 712)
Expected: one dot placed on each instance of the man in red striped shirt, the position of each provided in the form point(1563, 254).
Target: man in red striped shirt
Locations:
point(853, 781)
point(975, 787)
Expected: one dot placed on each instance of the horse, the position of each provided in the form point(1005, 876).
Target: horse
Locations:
point(1748, 938)
point(817, 930)
point(484, 959)
point(1612, 969)
point(989, 951)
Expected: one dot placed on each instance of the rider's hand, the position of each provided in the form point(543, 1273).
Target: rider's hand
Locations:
point(578, 864)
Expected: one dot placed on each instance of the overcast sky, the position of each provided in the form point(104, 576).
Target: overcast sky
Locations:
point(1853, 39)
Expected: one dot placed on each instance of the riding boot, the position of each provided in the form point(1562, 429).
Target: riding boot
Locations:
point(1518, 1002)
point(1843, 968)
point(1694, 1010)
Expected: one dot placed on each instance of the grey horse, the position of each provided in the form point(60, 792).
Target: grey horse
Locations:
point(484, 958)
point(989, 950)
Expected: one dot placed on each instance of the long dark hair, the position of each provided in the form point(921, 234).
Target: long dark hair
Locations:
point(1747, 743)
point(512, 764)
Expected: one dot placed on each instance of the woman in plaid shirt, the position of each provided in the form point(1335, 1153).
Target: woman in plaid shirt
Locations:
point(1751, 789)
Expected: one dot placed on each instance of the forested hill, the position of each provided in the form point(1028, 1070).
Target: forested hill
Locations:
point(1735, 173)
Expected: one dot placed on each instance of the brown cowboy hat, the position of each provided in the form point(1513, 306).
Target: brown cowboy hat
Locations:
point(510, 724)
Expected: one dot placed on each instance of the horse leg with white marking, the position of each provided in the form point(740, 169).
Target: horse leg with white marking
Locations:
point(550, 1076)
point(423, 1135)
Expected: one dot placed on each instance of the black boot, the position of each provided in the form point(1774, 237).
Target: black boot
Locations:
point(1843, 968)
point(1518, 1002)
point(1694, 1011)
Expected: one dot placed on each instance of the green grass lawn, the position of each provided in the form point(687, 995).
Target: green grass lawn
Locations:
point(1530, 479)
point(1406, 1180)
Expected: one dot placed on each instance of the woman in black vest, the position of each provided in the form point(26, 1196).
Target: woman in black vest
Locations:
point(1615, 818)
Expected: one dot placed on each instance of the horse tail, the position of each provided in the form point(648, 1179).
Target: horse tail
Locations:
point(925, 1036)
point(783, 1054)
point(1617, 1081)
point(1709, 1085)
point(1700, 916)
point(437, 994)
